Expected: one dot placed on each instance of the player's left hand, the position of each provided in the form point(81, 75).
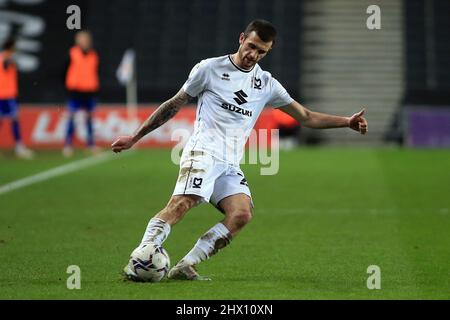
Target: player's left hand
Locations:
point(358, 123)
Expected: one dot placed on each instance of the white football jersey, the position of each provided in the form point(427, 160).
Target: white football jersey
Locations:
point(230, 100)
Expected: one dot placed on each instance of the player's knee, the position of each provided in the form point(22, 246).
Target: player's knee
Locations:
point(241, 217)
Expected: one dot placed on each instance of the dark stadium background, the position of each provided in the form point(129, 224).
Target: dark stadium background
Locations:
point(170, 37)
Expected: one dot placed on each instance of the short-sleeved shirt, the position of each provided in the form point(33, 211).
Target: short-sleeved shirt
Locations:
point(230, 100)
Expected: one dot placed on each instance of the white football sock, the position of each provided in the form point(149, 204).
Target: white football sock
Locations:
point(209, 244)
point(156, 232)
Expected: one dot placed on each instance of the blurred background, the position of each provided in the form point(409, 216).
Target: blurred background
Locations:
point(325, 56)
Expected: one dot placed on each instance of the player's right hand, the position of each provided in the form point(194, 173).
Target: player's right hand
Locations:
point(122, 143)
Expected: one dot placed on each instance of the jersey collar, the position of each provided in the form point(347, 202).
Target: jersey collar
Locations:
point(239, 68)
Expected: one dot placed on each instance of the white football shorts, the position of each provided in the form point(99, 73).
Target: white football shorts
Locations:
point(213, 180)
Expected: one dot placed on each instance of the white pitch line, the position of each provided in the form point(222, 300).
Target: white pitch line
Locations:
point(55, 172)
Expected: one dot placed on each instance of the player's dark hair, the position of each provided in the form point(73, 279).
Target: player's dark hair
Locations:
point(264, 29)
point(9, 44)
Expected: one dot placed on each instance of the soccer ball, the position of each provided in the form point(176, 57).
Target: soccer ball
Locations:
point(149, 262)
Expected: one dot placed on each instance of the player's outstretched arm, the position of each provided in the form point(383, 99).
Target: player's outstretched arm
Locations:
point(318, 120)
point(164, 113)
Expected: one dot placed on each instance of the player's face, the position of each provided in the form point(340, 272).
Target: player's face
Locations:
point(252, 49)
point(84, 40)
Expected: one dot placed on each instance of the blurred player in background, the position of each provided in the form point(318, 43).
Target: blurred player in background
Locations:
point(9, 92)
point(82, 84)
point(232, 91)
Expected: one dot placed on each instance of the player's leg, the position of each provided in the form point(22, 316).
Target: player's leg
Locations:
point(238, 213)
point(232, 196)
point(90, 104)
point(20, 149)
point(195, 184)
point(73, 107)
point(160, 225)
point(1, 112)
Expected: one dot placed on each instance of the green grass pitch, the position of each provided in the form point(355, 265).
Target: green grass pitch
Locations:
point(318, 224)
